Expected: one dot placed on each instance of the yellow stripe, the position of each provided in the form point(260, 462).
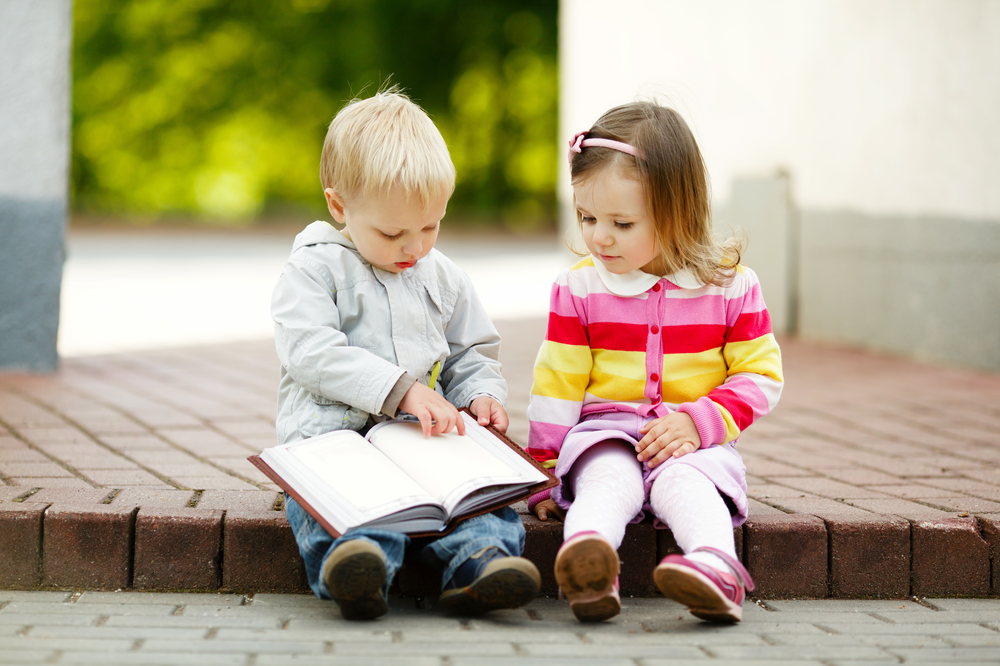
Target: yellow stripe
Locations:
point(561, 357)
point(549, 464)
point(627, 364)
point(613, 387)
point(434, 375)
point(562, 385)
point(760, 356)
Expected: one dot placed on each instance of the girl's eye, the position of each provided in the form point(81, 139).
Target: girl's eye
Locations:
point(586, 219)
point(624, 225)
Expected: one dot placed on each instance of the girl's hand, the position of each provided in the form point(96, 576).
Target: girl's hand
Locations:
point(436, 415)
point(672, 435)
point(489, 412)
point(547, 508)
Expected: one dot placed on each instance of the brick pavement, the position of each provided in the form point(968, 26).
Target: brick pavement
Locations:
point(274, 629)
point(875, 477)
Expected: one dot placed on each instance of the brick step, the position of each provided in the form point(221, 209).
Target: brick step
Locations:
point(91, 542)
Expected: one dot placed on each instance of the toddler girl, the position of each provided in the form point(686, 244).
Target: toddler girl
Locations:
point(658, 354)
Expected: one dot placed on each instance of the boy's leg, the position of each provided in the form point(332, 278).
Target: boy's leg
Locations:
point(480, 564)
point(354, 570)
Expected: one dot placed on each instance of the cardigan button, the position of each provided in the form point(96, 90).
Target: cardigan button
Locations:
point(655, 377)
point(656, 287)
point(655, 329)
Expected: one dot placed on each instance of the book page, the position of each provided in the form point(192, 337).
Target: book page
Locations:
point(450, 466)
point(342, 474)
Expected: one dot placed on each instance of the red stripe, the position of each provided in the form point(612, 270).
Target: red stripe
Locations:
point(693, 339)
point(620, 337)
point(741, 410)
point(566, 330)
point(750, 326)
point(542, 455)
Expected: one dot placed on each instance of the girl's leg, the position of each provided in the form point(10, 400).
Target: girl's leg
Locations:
point(689, 503)
point(708, 578)
point(606, 485)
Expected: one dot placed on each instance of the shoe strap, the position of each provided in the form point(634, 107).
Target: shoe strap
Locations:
point(742, 575)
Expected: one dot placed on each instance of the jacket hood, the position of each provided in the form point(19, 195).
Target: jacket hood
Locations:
point(321, 232)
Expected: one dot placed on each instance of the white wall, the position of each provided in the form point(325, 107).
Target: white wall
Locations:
point(879, 106)
point(885, 116)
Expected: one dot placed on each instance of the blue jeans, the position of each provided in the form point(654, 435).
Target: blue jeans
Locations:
point(502, 528)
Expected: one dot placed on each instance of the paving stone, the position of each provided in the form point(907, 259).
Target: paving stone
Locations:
point(244, 501)
point(20, 543)
point(65, 644)
point(37, 656)
point(76, 496)
point(149, 497)
point(786, 554)
point(869, 556)
point(157, 658)
point(51, 482)
point(87, 546)
point(541, 542)
point(177, 548)
point(638, 556)
point(260, 553)
point(949, 558)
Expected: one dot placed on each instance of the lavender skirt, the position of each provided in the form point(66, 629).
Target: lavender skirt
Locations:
point(721, 464)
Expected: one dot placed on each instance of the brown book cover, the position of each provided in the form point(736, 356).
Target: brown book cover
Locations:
point(550, 482)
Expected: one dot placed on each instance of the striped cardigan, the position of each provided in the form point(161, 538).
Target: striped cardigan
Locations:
point(707, 351)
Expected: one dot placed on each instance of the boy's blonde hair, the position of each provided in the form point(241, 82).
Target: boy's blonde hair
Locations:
point(675, 181)
point(383, 141)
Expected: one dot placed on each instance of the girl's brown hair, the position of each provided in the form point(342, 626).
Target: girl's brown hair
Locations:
point(674, 180)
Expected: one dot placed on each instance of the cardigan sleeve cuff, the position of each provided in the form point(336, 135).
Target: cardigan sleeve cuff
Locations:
point(538, 497)
point(707, 419)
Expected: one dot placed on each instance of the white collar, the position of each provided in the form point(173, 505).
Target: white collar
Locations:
point(638, 282)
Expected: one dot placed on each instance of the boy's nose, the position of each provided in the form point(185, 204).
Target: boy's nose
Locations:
point(413, 248)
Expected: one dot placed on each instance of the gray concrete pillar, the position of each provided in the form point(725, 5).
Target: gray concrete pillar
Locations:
point(761, 210)
point(35, 46)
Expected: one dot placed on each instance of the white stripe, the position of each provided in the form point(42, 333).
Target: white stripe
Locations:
point(545, 409)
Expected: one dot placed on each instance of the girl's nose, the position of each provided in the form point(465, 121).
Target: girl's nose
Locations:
point(601, 237)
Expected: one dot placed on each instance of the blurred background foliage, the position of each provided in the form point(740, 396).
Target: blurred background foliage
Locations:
point(215, 110)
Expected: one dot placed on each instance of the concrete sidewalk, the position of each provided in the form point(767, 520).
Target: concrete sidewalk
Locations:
point(875, 477)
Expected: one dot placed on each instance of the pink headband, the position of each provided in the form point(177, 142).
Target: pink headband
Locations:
point(578, 143)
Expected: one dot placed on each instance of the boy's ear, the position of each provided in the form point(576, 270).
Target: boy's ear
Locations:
point(335, 203)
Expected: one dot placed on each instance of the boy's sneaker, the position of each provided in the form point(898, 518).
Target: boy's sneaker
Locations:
point(587, 572)
point(491, 580)
point(708, 593)
point(355, 575)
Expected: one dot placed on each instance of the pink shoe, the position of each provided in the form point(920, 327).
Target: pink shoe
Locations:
point(708, 593)
point(587, 572)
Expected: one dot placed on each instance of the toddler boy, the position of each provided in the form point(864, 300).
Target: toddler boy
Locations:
point(372, 320)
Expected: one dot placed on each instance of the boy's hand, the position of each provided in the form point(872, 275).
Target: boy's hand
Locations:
point(547, 508)
point(672, 435)
point(488, 411)
point(436, 415)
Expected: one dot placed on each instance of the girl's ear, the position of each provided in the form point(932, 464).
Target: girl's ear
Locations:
point(335, 203)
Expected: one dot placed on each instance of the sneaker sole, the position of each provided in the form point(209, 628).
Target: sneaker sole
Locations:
point(511, 584)
point(585, 571)
point(691, 588)
point(356, 583)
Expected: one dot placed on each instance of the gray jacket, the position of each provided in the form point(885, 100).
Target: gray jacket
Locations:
point(347, 333)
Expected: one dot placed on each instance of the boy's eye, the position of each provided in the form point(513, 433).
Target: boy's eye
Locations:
point(394, 237)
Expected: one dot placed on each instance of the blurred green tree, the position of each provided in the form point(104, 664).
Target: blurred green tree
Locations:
point(217, 108)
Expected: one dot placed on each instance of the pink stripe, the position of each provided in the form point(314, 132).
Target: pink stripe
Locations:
point(546, 435)
point(752, 301)
point(708, 309)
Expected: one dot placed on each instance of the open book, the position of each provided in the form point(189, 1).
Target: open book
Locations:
point(395, 479)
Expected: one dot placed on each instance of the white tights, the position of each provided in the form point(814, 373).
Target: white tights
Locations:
point(606, 482)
